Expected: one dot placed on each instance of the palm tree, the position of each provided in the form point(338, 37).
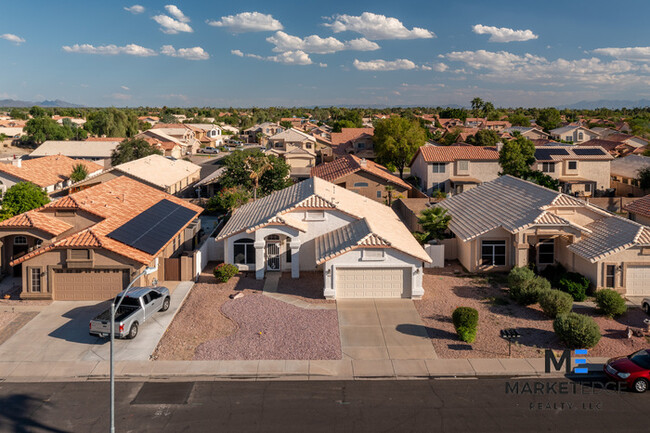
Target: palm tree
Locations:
point(390, 189)
point(79, 173)
point(434, 222)
point(257, 166)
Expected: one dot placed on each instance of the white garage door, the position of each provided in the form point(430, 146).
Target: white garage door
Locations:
point(637, 280)
point(373, 283)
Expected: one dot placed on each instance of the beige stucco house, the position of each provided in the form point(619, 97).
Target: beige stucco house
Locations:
point(296, 148)
point(454, 169)
point(511, 222)
point(573, 134)
point(361, 246)
point(90, 244)
point(639, 211)
point(581, 170)
point(625, 172)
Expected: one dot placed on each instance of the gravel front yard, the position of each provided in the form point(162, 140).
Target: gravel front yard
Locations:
point(444, 291)
point(211, 326)
point(200, 318)
point(271, 329)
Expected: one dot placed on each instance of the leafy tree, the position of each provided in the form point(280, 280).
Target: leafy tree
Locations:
point(23, 197)
point(516, 156)
point(454, 113)
point(42, 128)
point(238, 172)
point(477, 106)
point(132, 149)
point(79, 173)
point(542, 179)
point(111, 122)
point(450, 137)
point(347, 119)
point(484, 137)
point(643, 177)
point(286, 124)
point(256, 167)
point(37, 111)
point(518, 119)
point(434, 222)
point(396, 141)
point(549, 118)
point(228, 199)
point(167, 118)
point(18, 114)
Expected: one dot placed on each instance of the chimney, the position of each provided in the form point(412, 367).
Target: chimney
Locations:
point(18, 162)
point(362, 162)
point(499, 146)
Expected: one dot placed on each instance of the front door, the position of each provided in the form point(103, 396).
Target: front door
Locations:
point(273, 256)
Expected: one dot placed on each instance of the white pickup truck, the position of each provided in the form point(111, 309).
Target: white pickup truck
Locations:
point(138, 306)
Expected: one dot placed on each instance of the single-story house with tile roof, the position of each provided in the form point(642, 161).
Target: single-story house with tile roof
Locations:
point(51, 173)
point(511, 222)
point(364, 177)
point(90, 244)
point(624, 174)
point(454, 169)
point(639, 211)
point(173, 176)
point(362, 247)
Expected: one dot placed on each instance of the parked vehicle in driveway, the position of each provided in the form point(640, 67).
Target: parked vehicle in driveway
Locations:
point(138, 305)
point(210, 150)
point(633, 369)
point(645, 304)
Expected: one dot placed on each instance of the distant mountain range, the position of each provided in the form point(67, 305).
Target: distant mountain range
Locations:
point(605, 103)
point(13, 103)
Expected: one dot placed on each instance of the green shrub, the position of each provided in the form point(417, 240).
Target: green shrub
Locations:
point(555, 303)
point(577, 330)
point(466, 323)
point(531, 292)
point(225, 271)
point(610, 303)
point(553, 273)
point(519, 277)
point(575, 285)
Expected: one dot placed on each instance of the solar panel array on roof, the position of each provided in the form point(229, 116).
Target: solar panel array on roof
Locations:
point(579, 151)
point(544, 154)
point(154, 227)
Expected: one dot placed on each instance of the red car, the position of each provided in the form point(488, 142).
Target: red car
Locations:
point(633, 369)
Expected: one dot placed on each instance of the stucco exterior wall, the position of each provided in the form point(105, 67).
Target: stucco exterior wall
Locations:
point(375, 185)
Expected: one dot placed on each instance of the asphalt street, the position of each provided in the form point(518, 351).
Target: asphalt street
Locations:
point(436, 405)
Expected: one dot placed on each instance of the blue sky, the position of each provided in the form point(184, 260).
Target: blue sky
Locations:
point(304, 53)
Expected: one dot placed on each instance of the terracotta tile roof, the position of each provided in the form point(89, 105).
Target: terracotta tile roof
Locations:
point(349, 164)
point(455, 153)
point(116, 202)
point(37, 220)
point(348, 134)
point(118, 139)
point(640, 206)
point(47, 170)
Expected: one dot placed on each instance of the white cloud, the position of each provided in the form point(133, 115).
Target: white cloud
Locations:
point(440, 67)
point(195, 53)
point(426, 68)
point(12, 38)
point(638, 54)
point(171, 26)
point(317, 45)
point(237, 53)
point(248, 22)
point(323, 65)
point(374, 26)
point(135, 9)
point(124, 88)
point(384, 65)
point(591, 72)
point(175, 12)
point(110, 50)
point(291, 58)
point(504, 34)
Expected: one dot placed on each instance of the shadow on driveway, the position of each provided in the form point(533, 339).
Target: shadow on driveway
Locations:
point(76, 330)
point(16, 414)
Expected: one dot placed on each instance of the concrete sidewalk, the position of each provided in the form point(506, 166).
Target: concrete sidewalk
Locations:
point(345, 369)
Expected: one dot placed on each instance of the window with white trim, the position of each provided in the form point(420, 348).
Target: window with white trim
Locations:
point(372, 254)
point(548, 167)
point(315, 215)
point(438, 167)
point(463, 165)
point(244, 251)
point(493, 253)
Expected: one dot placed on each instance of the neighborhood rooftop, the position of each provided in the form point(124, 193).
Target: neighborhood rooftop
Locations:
point(349, 164)
point(48, 170)
point(159, 170)
point(76, 149)
point(455, 153)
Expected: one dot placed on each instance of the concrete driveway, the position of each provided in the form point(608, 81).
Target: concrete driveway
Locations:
point(60, 333)
point(382, 329)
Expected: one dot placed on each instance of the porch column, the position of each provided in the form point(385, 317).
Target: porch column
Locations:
point(295, 258)
point(521, 250)
point(259, 260)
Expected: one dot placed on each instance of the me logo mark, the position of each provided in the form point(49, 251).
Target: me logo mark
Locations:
point(565, 360)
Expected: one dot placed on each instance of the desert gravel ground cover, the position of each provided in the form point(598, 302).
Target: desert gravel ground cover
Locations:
point(445, 290)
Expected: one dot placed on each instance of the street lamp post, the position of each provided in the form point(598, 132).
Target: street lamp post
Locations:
point(148, 270)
